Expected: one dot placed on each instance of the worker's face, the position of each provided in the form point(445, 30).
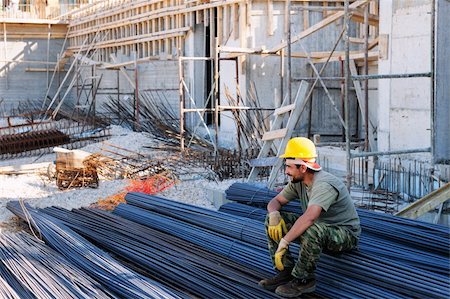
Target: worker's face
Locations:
point(297, 174)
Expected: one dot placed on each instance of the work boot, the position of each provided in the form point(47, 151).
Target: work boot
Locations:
point(296, 287)
point(281, 278)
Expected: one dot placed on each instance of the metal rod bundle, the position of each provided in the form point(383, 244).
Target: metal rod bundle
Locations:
point(10, 288)
point(156, 117)
point(212, 220)
point(186, 266)
point(376, 245)
point(365, 268)
point(93, 261)
point(415, 234)
point(41, 272)
point(247, 255)
point(40, 138)
point(243, 252)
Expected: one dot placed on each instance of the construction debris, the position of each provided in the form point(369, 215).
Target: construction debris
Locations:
point(426, 203)
point(74, 169)
point(24, 169)
point(152, 185)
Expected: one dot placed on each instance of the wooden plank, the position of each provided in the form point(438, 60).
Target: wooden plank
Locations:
point(359, 17)
point(324, 13)
point(26, 168)
point(358, 56)
point(140, 39)
point(276, 134)
point(284, 109)
point(426, 203)
point(263, 162)
point(38, 31)
point(300, 101)
point(243, 11)
point(219, 27)
point(32, 22)
point(383, 46)
point(305, 16)
point(270, 17)
point(37, 69)
point(239, 50)
point(373, 43)
point(236, 20)
point(325, 22)
point(226, 23)
point(362, 103)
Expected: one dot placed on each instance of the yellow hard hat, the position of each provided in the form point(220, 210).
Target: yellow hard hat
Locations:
point(300, 148)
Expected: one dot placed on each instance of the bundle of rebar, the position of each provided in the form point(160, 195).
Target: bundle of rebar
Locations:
point(33, 270)
point(10, 288)
point(256, 256)
point(187, 266)
point(41, 137)
point(375, 246)
point(374, 273)
point(16, 143)
point(424, 236)
point(155, 115)
point(96, 263)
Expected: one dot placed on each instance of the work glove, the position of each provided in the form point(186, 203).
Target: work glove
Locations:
point(281, 251)
point(277, 227)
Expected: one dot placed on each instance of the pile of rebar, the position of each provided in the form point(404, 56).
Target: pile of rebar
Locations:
point(415, 234)
point(380, 268)
point(33, 270)
point(28, 141)
point(40, 138)
point(155, 115)
point(99, 265)
point(226, 163)
point(206, 253)
point(186, 266)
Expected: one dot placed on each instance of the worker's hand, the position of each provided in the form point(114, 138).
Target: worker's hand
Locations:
point(277, 227)
point(281, 251)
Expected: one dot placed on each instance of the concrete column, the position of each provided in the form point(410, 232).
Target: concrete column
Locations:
point(384, 86)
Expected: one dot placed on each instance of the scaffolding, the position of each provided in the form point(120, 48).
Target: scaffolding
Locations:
point(157, 30)
point(364, 12)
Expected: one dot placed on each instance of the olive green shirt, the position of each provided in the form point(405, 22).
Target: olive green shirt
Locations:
point(330, 193)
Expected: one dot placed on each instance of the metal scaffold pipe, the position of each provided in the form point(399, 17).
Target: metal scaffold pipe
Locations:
point(346, 90)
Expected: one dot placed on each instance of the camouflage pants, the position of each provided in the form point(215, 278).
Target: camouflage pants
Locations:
point(317, 237)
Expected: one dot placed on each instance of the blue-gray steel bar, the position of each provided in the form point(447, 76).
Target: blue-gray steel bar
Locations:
point(187, 266)
point(364, 263)
point(43, 272)
point(93, 261)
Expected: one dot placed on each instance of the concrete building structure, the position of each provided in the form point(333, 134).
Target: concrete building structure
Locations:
point(29, 54)
point(146, 39)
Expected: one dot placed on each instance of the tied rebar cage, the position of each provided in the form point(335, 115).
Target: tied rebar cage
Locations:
point(394, 182)
point(31, 137)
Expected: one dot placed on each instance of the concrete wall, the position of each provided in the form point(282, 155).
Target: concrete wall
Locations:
point(156, 79)
point(404, 104)
point(442, 88)
point(16, 82)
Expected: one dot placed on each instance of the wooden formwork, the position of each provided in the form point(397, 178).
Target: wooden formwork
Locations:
point(149, 28)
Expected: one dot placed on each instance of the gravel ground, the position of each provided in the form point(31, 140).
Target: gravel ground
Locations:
point(39, 191)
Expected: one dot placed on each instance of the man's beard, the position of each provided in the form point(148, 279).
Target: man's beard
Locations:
point(296, 180)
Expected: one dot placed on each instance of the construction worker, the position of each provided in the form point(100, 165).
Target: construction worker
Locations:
point(329, 221)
